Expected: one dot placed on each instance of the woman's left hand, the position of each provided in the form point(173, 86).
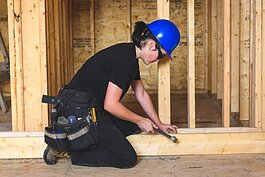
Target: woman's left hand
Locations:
point(167, 128)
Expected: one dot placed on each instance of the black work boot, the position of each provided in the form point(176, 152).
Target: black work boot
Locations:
point(50, 156)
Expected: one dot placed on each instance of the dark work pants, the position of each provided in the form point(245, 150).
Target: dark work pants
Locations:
point(113, 149)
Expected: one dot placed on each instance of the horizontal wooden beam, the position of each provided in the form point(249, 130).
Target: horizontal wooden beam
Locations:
point(31, 144)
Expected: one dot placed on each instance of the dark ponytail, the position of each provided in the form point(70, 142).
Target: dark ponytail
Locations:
point(141, 33)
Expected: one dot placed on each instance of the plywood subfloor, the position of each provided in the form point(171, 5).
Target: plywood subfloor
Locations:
point(243, 165)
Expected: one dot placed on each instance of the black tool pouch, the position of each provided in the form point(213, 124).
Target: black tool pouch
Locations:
point(69, 136)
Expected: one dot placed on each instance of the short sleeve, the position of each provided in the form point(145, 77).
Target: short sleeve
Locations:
point(122, 74)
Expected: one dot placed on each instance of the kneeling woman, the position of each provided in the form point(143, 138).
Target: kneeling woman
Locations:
point(108, 75)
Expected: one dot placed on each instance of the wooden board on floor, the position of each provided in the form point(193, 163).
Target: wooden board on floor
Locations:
point(31, 144)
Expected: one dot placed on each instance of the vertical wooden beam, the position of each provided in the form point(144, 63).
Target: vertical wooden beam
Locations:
point(64, 27)
point(214, 46)
point(244, 58)
point(28, 64)
point(209, 41)
point(57, 58)
point(257, 89)
point(226, 64)
point(16, 64)
point(206, 44)
point(51, 62)
point(92, 26)
point(42, 80)
point(235, 14)
point(191, 70)
point(61, 41)
point(34, 63)
point(163, 71)
point(70, 35)
point(128, 19)
point(220, 32)
point(263, 65)
point(251, 63)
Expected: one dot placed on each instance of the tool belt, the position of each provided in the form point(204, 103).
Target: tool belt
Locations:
point(74, 122)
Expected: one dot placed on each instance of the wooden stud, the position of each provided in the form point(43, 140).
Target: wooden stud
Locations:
point(191, 70)
point(251, 63)
point(244, 59)
point(42, 82)
point(263, 66)
point(214, 46)
point(51, 49)
point(257, 89)
point(16, 64)
point(64, 12)
point(61, 41)
point(163, 71)
point(206, 44)
point(235, 26)
point(92, 26)
point(128, 20)
point(28, 55)
point(220, 32)
point(226, 64)
point(209, 42)
point(58, 80)
point(70, 36)
point(34, 61)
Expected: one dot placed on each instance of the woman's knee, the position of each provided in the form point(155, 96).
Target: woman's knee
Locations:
point(129, 159)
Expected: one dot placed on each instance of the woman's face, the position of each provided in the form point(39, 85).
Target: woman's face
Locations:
point(152, 52)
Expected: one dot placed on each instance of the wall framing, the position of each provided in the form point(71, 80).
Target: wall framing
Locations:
point(191, 141)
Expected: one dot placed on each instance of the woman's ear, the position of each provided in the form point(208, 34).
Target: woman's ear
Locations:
point(151, 44)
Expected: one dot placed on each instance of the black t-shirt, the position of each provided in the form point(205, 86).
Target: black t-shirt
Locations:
point(116, 64)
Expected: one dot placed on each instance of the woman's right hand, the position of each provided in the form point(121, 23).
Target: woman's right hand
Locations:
point(146, 125)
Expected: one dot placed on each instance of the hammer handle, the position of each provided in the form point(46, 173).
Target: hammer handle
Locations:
point(172, 138)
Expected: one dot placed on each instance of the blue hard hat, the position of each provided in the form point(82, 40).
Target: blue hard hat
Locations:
point(167, 34)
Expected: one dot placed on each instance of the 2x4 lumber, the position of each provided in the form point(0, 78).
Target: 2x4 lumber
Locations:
point(251, 63)
point(51, 62)
point(31, 144)
point(27, 64)
point(128, 19)
point(235, 18)
point(163, 71)
point(209, 44)
point(34, 63)
point(263, 65)
point(70, 39)
point(244, 59)
point(226, 64)
point(56, 9)
point(257, 63)
point(220, 32)
point(92, 26)
point(61, 41)
point(42, 79)
point(16, 64)
point(191, 70)
point(214, 46)
point(65, 43)
point(206, 48)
